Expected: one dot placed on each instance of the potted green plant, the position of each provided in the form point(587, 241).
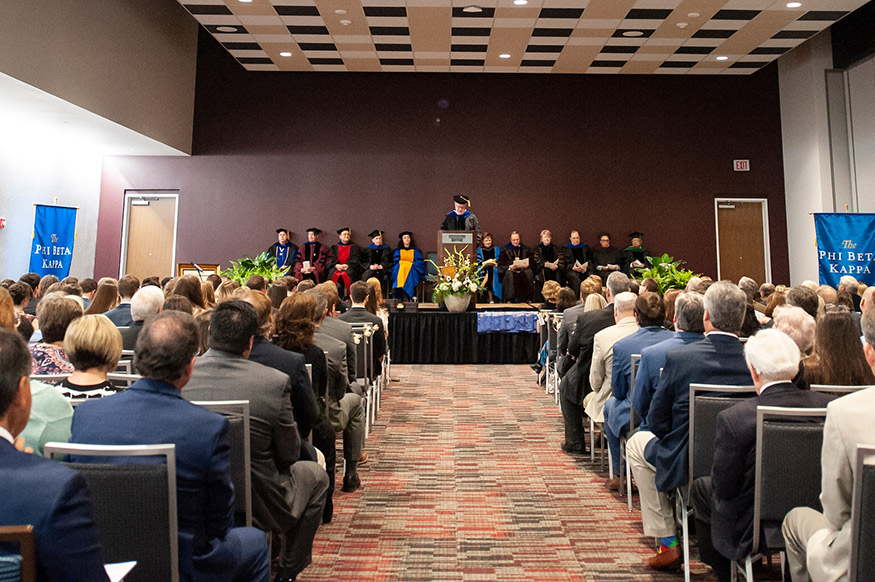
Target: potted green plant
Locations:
point(457, 280)
point(264, 265)
point(664, 270)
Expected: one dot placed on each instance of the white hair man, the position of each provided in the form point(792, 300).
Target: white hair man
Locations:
point(797, 324)
point(852, 286)
point(146, 302)
point(819, 544)
point(722, 503)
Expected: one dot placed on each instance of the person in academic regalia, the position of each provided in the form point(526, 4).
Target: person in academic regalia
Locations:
point(606, 259)
point(549, 261)
point(491, 282)
point(515, 271)
point(376, 260)
point(636, 254)
point(461, 218)
point(284, 250)
point(315, 255)
point(343, 265)
point(409, 267)
point(576, 262)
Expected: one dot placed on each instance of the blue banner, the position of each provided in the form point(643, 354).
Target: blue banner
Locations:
point(54, 232)
point(845, 246)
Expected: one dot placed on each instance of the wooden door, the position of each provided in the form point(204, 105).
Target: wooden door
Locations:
point(151, 235)
point(742, 240)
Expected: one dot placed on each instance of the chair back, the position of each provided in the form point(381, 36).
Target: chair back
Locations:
point(706, 402)
point(122, 381)
point(361, 335)
point(836, 389)
point(553, 323)
point(21, 566)
point(134, 504)
point(863, 515)
point(788, 465)
point(309, 371)
point(633, 417)
point(50, 378)
point(237, 413)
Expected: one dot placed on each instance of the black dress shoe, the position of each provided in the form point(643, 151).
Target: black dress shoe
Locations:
point(351, 483)
point(328, 512)
point(575, 449)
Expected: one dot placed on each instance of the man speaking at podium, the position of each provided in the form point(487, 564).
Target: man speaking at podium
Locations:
point(461, 218)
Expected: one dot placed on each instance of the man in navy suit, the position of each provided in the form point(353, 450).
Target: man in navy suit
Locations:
point(120, 315)
point(36, 491)
point(358, 294)
point(723, 503)
point(153, 411)
point(575, 385)
point(658, 458)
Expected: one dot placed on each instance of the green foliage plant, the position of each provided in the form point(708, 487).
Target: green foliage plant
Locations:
point(264, 265)
point(664, 270)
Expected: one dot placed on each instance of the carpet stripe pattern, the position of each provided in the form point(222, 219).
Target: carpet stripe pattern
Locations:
point(466, 482)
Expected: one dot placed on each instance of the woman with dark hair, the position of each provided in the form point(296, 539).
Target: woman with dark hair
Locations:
point(845, 299)
point(190, 288)
point(278, 293)
point(105, 298)
point(777, 298)
point(409, 267)
point(669, 299)
point(565, 299)
point(178, 303)
point(838, 356)
point(648, 285)
point(209, 294)
point(293, 331)
point(376, 305)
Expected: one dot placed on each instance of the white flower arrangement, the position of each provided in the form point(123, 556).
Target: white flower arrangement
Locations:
point(458, 275)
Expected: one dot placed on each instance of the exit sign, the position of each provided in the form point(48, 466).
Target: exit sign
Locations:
point(741, 165)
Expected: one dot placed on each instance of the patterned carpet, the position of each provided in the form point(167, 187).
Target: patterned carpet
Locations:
point(467, 482)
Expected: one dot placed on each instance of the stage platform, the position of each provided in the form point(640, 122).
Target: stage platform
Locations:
point(491, 333)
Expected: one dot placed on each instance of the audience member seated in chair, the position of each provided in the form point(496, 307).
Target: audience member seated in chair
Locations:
point(650, 315)
point(358, 314)
point(819, 544)
point(145, 303)
point(724, 502)
point(658, 458)
point(120, 315)
point(33, 490)
point(93, 345)
point(54, 312)
point(288, 495)
point(152, 411)
point(576, 383)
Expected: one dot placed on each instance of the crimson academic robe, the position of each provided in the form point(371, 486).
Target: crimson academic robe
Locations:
point(344, 254)
point(317, 255)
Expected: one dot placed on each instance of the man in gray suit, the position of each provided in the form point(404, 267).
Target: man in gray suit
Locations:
point(358, 294)
point(819, 544)
point(345, 410)
point(339, 329)
point(287, 496)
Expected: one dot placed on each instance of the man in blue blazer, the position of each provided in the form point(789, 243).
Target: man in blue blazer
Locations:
point(658, 458)
point(650, 315)
point(153, 411)
point(38, 492)
point(120, 315)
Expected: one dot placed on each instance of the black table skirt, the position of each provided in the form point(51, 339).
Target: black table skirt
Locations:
point(452, 338)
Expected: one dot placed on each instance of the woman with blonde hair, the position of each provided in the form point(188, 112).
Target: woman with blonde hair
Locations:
point(550, 291)
point(225, 292)
point(594, 301)
point(93, 345)
point(105, 298)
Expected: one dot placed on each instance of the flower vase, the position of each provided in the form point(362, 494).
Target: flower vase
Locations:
point(457, 303)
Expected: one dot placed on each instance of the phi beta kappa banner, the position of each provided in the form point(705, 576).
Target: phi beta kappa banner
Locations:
point(845, 246)
point(54, 232)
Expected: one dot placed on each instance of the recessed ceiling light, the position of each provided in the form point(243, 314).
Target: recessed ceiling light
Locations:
point(682, 25)
point(794, 4)
point(520, 2)
point(633, 33)
point(246, 1)
point(721, 58)
point(346, 22)
point(226, 29)
point(504, 56)
point(472, 9)
point(285, 54)
point(340, 11)
point(693, 15)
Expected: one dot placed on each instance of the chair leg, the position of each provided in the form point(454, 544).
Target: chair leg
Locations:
point(591, 441)
point(681, 509)
point(748, 569)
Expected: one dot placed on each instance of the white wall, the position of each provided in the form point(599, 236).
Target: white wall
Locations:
point(861, 88)
point(805, 132)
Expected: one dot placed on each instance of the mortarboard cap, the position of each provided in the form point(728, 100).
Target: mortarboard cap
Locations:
point(285, 230)
point(401, 234)
point(315, 231)
point(376, 233)
point(340, 230)
point(459, 199)
point(636, 234)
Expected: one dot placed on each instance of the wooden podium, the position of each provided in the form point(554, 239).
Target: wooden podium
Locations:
point(464, 241)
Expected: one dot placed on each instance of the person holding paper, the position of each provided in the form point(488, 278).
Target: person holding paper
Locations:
point(491, 282)
point(514, 271)
point(284, 250)
point(576, 261)
point(636, 254)
point(461, 217)
point(312, 258)
point(605, 259)
point(549, 260)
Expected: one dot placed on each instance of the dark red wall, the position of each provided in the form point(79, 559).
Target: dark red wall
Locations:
point(601, 152)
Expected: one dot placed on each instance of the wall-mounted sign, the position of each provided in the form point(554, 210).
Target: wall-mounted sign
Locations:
point(741, 165)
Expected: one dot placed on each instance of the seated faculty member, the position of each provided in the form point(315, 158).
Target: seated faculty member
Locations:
point(152, 411)
point(283, 250)
point(408, 269)
point(312, 258)
point(605, 258)
point(288, 495)
point(46, 494)
point(343, 262)
point(491, 282)
point(576, 261)
point(515, 271)
point(376, 259)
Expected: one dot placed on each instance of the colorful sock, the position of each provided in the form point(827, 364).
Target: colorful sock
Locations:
point(667, 542)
